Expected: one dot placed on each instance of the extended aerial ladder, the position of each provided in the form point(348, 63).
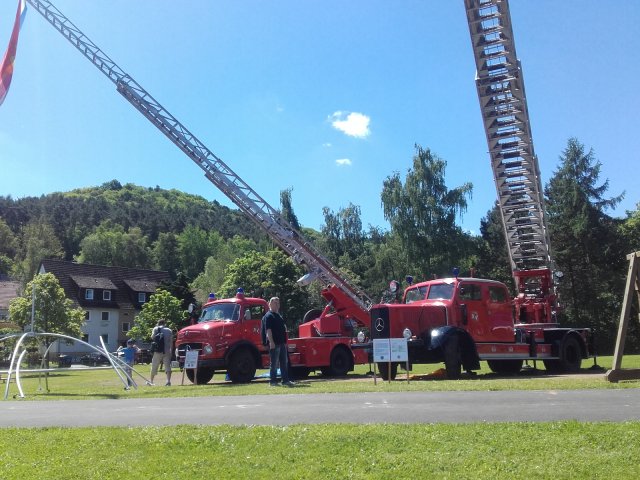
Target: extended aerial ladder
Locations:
point(218, 173)
point(503, 104)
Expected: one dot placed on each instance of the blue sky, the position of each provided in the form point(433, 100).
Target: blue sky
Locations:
point(325, 97)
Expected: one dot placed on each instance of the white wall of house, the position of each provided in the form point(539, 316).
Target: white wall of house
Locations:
point(101, 321)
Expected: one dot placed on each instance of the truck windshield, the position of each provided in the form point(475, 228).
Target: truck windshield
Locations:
point(220, 312)
point(440, 291)
point(415, 294)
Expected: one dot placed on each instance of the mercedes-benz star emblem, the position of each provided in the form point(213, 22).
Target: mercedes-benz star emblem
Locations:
point(379, 324)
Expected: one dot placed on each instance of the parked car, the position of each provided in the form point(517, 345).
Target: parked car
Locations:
point(94, 359)
point(65, 361)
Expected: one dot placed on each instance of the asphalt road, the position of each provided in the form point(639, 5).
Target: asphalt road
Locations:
point(413, 407)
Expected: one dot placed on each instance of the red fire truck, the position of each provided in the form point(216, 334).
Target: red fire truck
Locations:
point(227, 337)
point(460, 321)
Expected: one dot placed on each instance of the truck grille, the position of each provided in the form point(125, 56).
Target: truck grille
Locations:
point(182, 348)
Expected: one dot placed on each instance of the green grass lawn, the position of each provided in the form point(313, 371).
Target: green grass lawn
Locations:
point(554, 450)
point(559, 450)
point(94, 384)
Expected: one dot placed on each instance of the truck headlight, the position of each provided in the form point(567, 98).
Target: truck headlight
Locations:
point(406, 333)
point(360, 337)
point(207, 349)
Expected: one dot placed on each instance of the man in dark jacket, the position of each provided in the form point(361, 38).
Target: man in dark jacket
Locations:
point(277, 340)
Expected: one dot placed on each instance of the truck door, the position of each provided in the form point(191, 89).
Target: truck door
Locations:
point(473, 314)
point(251, 322)
point(500, 314)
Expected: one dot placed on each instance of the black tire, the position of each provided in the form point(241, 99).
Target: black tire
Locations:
point(570, 357)
point(452, 358)
point(505, 366)
point(388, 373)
point(299, 373)
point(203, 377)
point(242, 366)
point(340, 363)
point(311, 315)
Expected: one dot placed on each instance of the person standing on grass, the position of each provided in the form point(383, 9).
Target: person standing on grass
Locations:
point(277, 340)
point(129, 356)
point(162, 352)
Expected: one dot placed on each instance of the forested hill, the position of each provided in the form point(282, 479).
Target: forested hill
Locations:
point(77, 213)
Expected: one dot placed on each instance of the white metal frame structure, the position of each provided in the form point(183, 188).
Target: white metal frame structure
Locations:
point(503, 103)
point(118, 365)
point(218, 173)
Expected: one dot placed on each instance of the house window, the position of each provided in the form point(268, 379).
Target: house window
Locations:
point(105, 316)
point(86, 315)
point(85, 337)
point(105, 337)
point(125, 327)
point(106, 295)
point(88, 294)
point(142, 297)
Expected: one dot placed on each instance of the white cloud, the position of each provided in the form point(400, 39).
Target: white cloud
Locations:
point(342, 162)
point(353, 124)
point(326, 145)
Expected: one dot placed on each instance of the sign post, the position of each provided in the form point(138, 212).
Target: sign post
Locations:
point(387, 350)
point(191, 363)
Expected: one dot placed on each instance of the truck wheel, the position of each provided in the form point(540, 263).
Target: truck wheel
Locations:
point(505, 366)
point(452, 358)
point(242, 366)
point(339, 363)
point(570, 357)
point(388, 373)
point(203, 377)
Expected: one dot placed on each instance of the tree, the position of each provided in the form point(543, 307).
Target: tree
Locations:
point(161, 305)
point(165, 253)
point(266, 275)
point(8, 241)
point(54, 313)
point(494, 260)
point(343, 232)
point(423, 211)
point(38, 241)
point(287, 208)
point(630, 230)
point(111, 245)
point(585, 242)
point(211, 279)
point(194, 246)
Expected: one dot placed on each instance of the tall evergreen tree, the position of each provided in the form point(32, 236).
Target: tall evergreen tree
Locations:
point(585, 242)
point(287, 208)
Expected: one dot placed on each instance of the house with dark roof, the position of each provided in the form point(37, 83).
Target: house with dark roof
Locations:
point(110, 296)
